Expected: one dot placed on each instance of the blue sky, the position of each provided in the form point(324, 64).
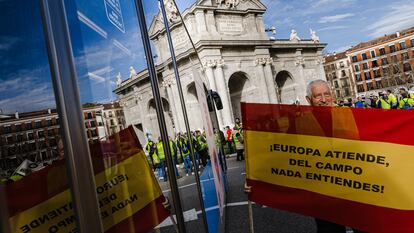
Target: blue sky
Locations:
point(103, 49)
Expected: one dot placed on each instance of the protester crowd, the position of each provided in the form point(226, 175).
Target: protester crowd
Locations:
point(385, 100)
point(228, 141)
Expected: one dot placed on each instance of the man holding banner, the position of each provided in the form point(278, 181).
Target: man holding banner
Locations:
point(335, 164)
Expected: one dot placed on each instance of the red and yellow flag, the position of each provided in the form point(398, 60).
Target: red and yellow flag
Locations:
point(129, 196)
point(350, 166)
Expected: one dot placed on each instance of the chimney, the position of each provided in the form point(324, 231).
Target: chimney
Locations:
point(398, 34)
point(16, 115)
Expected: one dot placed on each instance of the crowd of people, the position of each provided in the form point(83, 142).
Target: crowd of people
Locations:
point(229, 141)
point(385, 100)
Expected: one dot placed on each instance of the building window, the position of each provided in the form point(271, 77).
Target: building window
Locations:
point(343, 73)
point(365, 66)
point(405, 56)
point(93, 124)
point(382, 51)
point(94, 134)
point(38, 124)
point(412, 42)
point(364, 56)
point(50, 132)
point(10, 139)
point(392, 49)
point(374, 63)
point(354, 59)
point(367, 75)
point(112, 122)
point(18, 127)
point(377, 73)
point(20, 138)
point(30, 136)
point(358, 77)
point(110, 114)
point(356, 68)
point(402, 45)
point(7, 129)
point(407, 67)
point(372, 54)
point(347, 93)
point(384, 61)
point(341, 64)
point(338, 93)
point(28, 125)
point(49, 122)
point(89, 115)
point(41, 134)
point(360, 88)
point(379, 85)
point(394, 58)
point(370, 86)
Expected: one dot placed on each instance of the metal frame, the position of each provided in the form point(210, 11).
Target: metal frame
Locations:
point(160, 113)
point(77, 154)
point(184, 109)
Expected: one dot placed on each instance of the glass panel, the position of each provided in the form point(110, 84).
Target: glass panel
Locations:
point(115, 92)
point(32, 166)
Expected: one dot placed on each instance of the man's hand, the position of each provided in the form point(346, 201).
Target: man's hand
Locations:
point(247, 189)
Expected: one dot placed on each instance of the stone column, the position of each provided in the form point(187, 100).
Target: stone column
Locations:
point(208, 66)
point(260, 63)
point(179, 109)
point(269, 80)
point(223, 91)
point(167, 84)
point(201, 22)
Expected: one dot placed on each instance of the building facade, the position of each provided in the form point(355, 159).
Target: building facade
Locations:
point(113, 115)
point(35, 135)
point(384, 63)
point(339, 75)
point(238, 60)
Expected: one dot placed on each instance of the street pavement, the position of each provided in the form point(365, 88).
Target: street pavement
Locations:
point(237, 219)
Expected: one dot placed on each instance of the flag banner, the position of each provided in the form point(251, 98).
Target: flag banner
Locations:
point(350, 166)
point(129, 196)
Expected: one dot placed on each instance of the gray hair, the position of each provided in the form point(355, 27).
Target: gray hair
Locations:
point(314, 82)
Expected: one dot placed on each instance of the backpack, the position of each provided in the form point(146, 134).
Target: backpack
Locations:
point(406, 105)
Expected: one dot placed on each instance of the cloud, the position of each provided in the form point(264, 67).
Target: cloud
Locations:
point(400, 16)
point(7, 42)
point(335, 18)
point(332, 28)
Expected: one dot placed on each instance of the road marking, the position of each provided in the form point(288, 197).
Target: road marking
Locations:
point(188, 185)
point(189, 215)
point(231, 168)
point(228, 204)
point(243, 173)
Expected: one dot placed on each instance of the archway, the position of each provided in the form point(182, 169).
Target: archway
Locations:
point(193, 107)
point(153, 118)
point(286, 88)
point(240, 90)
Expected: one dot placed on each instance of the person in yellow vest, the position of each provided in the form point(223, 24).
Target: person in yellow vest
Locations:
point(237, 138)
point(173, 149)
point(150, 148)
point(392, 99)
point(159, 151)
point(184, 147)
point(382, 101)
point(406, 102)
point(202, 147)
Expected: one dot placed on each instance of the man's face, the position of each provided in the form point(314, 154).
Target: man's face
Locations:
point(321, 95)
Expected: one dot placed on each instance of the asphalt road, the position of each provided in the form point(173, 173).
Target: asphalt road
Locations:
point(237, 220)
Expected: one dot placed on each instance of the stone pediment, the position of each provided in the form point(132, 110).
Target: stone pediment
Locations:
point(157, 25)
point(240, 5)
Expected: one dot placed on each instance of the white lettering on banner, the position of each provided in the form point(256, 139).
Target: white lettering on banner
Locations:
point(114, 14)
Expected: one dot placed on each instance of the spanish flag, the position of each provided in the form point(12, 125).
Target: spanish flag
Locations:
point(129, 196)
point(350, 166)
